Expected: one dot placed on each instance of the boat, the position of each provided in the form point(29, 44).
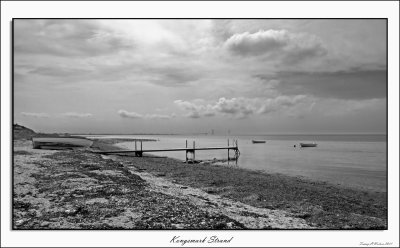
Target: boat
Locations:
point(60, 142)
point(308, 144)
point(258, 141)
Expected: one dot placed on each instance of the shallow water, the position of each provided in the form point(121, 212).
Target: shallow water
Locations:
point(357, 161)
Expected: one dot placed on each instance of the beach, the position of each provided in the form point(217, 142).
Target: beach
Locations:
point(80, 189)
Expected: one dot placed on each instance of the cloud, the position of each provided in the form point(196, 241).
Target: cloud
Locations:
point(289, 47)
point(134, 115)
point(172, 76)
point(259, 43)
point(67, 38)
point(279, 103)
point(76, 115)
point(195, 110)
point(35, 115)
point(68, 115)
point(240, 107)
point(126, 114)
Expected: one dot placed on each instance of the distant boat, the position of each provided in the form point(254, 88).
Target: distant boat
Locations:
point(258, 141)
point(60, 142)
point(308, 144)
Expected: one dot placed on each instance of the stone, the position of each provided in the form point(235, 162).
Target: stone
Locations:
point(44, 224)
point(178, 226)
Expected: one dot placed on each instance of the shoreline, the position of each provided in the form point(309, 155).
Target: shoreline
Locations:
point(320, 203)
point(115, 144)
point(77, 189)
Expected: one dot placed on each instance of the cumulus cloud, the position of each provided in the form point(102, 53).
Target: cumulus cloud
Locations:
point(35, 115)
point(280, 102)
point(76, 115)
point(194, 109)
point(134, 115)
point(290, 47)
point(126, 114)
point(240, 107)
point(257, 43)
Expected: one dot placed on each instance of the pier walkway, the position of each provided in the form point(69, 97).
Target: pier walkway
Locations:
point(188, 150)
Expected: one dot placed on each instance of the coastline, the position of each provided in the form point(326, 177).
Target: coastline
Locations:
point(321, 204)
point(221, 197)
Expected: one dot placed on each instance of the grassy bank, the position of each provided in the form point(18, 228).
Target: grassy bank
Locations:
point(321, 204)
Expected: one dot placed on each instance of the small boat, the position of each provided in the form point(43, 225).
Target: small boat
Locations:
point(258, 141)
point(60, 142)
point(308, 144)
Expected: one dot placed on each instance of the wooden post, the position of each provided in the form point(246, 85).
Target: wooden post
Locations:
point(194, 151)
point(141, 146)
point(135, 146)
point(236, 152)
point(186, 153)
point(228, 151)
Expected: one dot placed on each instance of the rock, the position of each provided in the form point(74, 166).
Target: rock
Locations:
point(19, 222)
point(178, 226)
point(211, 191)
point(184, 187)
point(229, 224)
point(44, 224)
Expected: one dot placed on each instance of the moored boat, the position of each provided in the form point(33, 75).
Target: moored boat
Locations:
point(308, 144)
point(258, 141)
point(60, 142)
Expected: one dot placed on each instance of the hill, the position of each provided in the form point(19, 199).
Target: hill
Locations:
point(21, 132)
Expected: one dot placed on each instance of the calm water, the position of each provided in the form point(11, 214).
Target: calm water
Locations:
point(351, 160)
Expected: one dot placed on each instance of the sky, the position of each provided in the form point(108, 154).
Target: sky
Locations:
point(249, 76)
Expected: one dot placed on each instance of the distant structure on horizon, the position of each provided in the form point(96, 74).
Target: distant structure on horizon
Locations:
point(212, 131)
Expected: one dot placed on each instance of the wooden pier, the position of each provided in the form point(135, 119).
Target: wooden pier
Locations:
point(188, 150)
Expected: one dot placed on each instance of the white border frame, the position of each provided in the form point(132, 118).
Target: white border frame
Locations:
point(297, 9)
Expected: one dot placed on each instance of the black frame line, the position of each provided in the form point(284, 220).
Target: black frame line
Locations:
point(168, 230)
point(198, 1)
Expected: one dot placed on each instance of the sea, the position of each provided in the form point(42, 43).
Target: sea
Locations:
point(356, 161)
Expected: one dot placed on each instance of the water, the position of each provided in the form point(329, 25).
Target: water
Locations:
point(357, 161)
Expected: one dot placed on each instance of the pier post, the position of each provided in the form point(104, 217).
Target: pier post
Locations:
point(194, 150)
point(228, 151)
point(237, 152)
point(186, 153)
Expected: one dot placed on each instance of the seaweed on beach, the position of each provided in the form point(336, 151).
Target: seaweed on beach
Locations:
point(321, 204)
point(82, 190)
